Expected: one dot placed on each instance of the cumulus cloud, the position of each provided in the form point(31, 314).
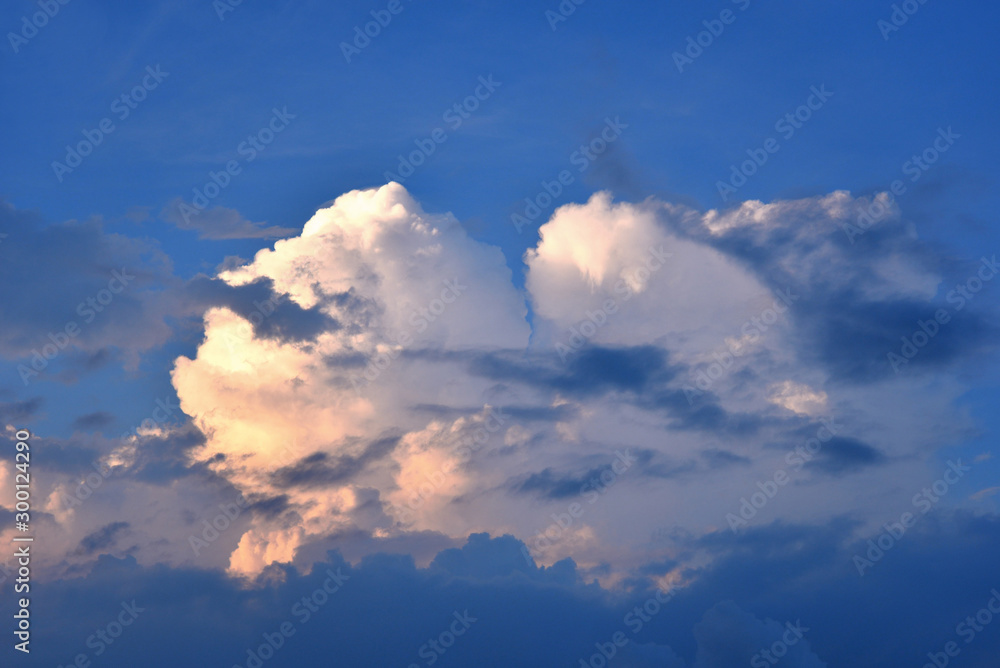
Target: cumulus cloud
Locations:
point(664, 288)
point(372, 396)
point(374, 384)
point(414, 402)
point(392, 277)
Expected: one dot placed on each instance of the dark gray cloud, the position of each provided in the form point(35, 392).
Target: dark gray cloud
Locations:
point(589, 372)
point(346, 360)
point(220, 223)
point(271, 507)
point(109, 297)
point(845, 455)
point(321, 469)
point(549, 484)
point(517, 413)
point(717, 459)
point(102, 539)
point(19, 412)
point(552, 484)
point(74, 455)
point(270, 315)
point(849, 315)
point(161, 459)
point(757, 582)
point(63, 266)
point(92, 421)
point(642, 375)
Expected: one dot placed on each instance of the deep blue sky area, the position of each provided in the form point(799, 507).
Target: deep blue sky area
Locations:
point(534, 87)
point(352, 120)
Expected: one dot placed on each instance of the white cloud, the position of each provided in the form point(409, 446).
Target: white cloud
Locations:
point(396, 279)
point(603, 250)
point(380, 266)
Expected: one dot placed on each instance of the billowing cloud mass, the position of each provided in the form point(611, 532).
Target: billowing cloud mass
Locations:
point(676, 401)
point(668, 358)
point(305, 419)
point(406, 334)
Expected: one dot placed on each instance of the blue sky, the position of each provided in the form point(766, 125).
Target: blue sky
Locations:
point(509, 98)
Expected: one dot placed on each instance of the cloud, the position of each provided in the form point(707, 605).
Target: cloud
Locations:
point(841, 455)
point(18, 412)
point(270, 315)
point(112, 298)
point(375, 386)
point(103, 538)
point(398, 396)
point(94, 420)
point(757, 587)
point(858, 296)
point(727, 636)
point(99, 288)
point(720, 458)
point(143, 478)
point(599, 253)
point(318, 469)
point(386, 276)
point(219, 223)
point(984, 493)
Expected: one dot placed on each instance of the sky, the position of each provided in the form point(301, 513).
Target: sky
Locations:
point(499, 334)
